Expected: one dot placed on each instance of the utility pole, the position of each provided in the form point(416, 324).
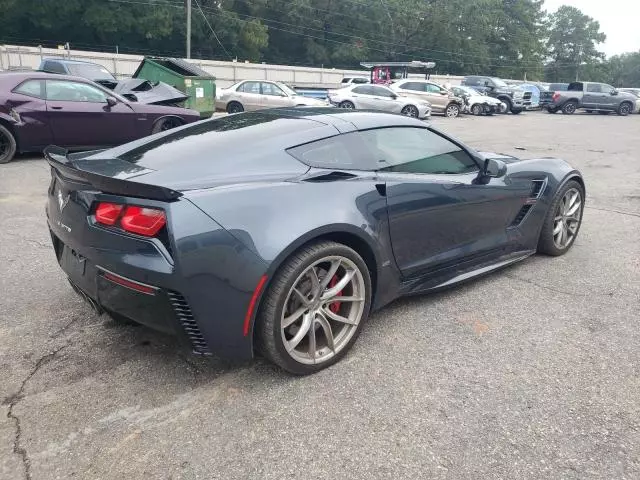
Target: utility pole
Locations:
point(188, 28)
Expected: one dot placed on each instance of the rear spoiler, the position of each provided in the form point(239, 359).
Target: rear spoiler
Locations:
point(59, 160)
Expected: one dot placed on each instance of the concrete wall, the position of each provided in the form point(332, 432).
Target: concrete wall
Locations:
point(226, 73)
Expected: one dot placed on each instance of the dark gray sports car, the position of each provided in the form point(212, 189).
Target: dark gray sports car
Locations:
point(279, 231)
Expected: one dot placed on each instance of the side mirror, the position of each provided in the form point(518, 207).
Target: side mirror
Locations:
point(614, 92)
point(494, 168)
point(111, 102)
point(394, 96)
point(444, 92)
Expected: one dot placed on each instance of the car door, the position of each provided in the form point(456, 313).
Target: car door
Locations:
point(274, 96)
point(439, 214)
point(80, 115)
point(437, 96)
point(249, 94)
point(384, 99)
point(592, 97)
point(608, 100)
point(29, 102)
point(363, 97)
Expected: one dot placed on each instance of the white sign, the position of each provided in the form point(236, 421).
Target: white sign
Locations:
point(199, 92)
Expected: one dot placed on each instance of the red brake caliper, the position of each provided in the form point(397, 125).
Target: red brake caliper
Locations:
point(335, 306)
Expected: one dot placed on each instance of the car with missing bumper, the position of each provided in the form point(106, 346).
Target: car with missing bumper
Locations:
point(381, 98)
point(592, 97)
point(280, 231)
point(515, 99)
point(477, 103)
point(39, 109)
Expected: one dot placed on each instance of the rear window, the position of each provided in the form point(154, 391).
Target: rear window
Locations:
point(54, 67)
point(31, 88)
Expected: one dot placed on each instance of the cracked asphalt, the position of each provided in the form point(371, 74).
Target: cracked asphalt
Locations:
point(532, 372)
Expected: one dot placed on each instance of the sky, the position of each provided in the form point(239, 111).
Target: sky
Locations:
point(619, 20)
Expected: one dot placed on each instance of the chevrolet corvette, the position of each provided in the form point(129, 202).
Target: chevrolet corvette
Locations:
point(280, 231)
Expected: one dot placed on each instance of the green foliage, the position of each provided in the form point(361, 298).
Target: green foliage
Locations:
point(506, 38)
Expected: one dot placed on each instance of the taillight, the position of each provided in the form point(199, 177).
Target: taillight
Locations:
point(140, 220)
point(108, 213)
point(556, 96)
point(143, 221)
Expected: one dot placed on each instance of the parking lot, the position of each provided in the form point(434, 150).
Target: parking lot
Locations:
point(532, 372)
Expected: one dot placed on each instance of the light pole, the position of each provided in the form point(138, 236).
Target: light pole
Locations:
point(188, 28)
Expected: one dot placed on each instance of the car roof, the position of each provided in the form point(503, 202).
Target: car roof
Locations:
point(38, 75)
point(68, 60)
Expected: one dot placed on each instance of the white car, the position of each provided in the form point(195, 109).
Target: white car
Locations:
point(478, 104)
point(346, 81)
point(251, 95)
point(378, 97)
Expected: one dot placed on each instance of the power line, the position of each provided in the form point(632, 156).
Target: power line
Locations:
point(212, 30)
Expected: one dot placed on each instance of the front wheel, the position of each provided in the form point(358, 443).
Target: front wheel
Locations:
point(624, 109)
point(8, 145)
point(410, 111)
point(477, 109)
point(508, 104)
point(314, 308)
point(516, 111)
point(452, 110)
point(552, 110)
point(347, 105)
point(563, 220)
point(166, 124)
point(235, 107)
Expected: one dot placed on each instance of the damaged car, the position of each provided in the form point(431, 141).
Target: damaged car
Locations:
point(134, 89)
point(38, 109)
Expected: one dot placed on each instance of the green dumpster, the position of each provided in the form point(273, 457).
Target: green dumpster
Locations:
point(186, 77)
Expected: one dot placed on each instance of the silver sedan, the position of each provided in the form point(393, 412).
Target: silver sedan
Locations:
point(377, 97)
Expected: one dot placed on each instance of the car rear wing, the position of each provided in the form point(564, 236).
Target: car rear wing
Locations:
point(64, 165)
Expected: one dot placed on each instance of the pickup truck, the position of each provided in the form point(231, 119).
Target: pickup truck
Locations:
point(592, 97)
point(546, 96)
point(515, 99)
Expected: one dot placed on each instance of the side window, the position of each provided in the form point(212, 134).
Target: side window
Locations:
point(342, 152)
point(65, 91)
point(431, 88)
point(417, 150)
point(414, 86)
point(54, 67)
point(273, 90)
point(250, 87)
point(346, 80)
point(606, 88)
point(360, 80)
point(381, 92)
point(363, 90)
point(31, 88)
point(593, 88)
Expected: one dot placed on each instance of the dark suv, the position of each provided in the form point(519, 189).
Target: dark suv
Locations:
point(516, 100)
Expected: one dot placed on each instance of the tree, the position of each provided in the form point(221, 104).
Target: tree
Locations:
point(572, 41)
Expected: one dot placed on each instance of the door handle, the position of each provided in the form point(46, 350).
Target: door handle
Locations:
point(56, 108)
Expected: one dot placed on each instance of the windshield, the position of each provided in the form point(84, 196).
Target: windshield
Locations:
point(287, 89)
point(468, 90)
point(499, 83)
point(92, 72)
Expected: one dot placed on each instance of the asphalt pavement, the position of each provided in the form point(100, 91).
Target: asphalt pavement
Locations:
point(532, 372)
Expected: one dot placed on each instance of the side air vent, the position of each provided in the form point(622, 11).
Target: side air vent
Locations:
point(521, 214)
point(332, 176)
point(536, 188)
point(183, 313)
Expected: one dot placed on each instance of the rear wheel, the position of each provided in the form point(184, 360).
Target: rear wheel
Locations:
point(563, 220)
point(166, 124)
point(8, 145)
point(569, 108)
point(411, 111)
point(314, 308)
point(347, 105)
point(235, 107)
point(452, 110)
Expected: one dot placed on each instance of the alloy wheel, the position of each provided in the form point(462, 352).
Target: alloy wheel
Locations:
point(347, 105)
point(323, 310)
point(453, 111)
point(567, 219)
point(410, 111)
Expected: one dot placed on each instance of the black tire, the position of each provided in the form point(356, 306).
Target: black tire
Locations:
point(235, 107)
point(516, 111)
point(603, 112)
point(570, 107)
point(477, 109)
point(347, 105)
point(452, 110)
point(268, 334)
point(8, 145)
point(165, 124)
point(552, 110)
point(589, 111)
point(410, 111)
point(624, 109)
point(546, 244)
point(508, 103)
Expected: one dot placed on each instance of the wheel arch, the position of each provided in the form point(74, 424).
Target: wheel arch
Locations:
point(170, 115)
point(9, 123)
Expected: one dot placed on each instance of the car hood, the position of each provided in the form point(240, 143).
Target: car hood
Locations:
point(307, 101)
point(147, 92)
